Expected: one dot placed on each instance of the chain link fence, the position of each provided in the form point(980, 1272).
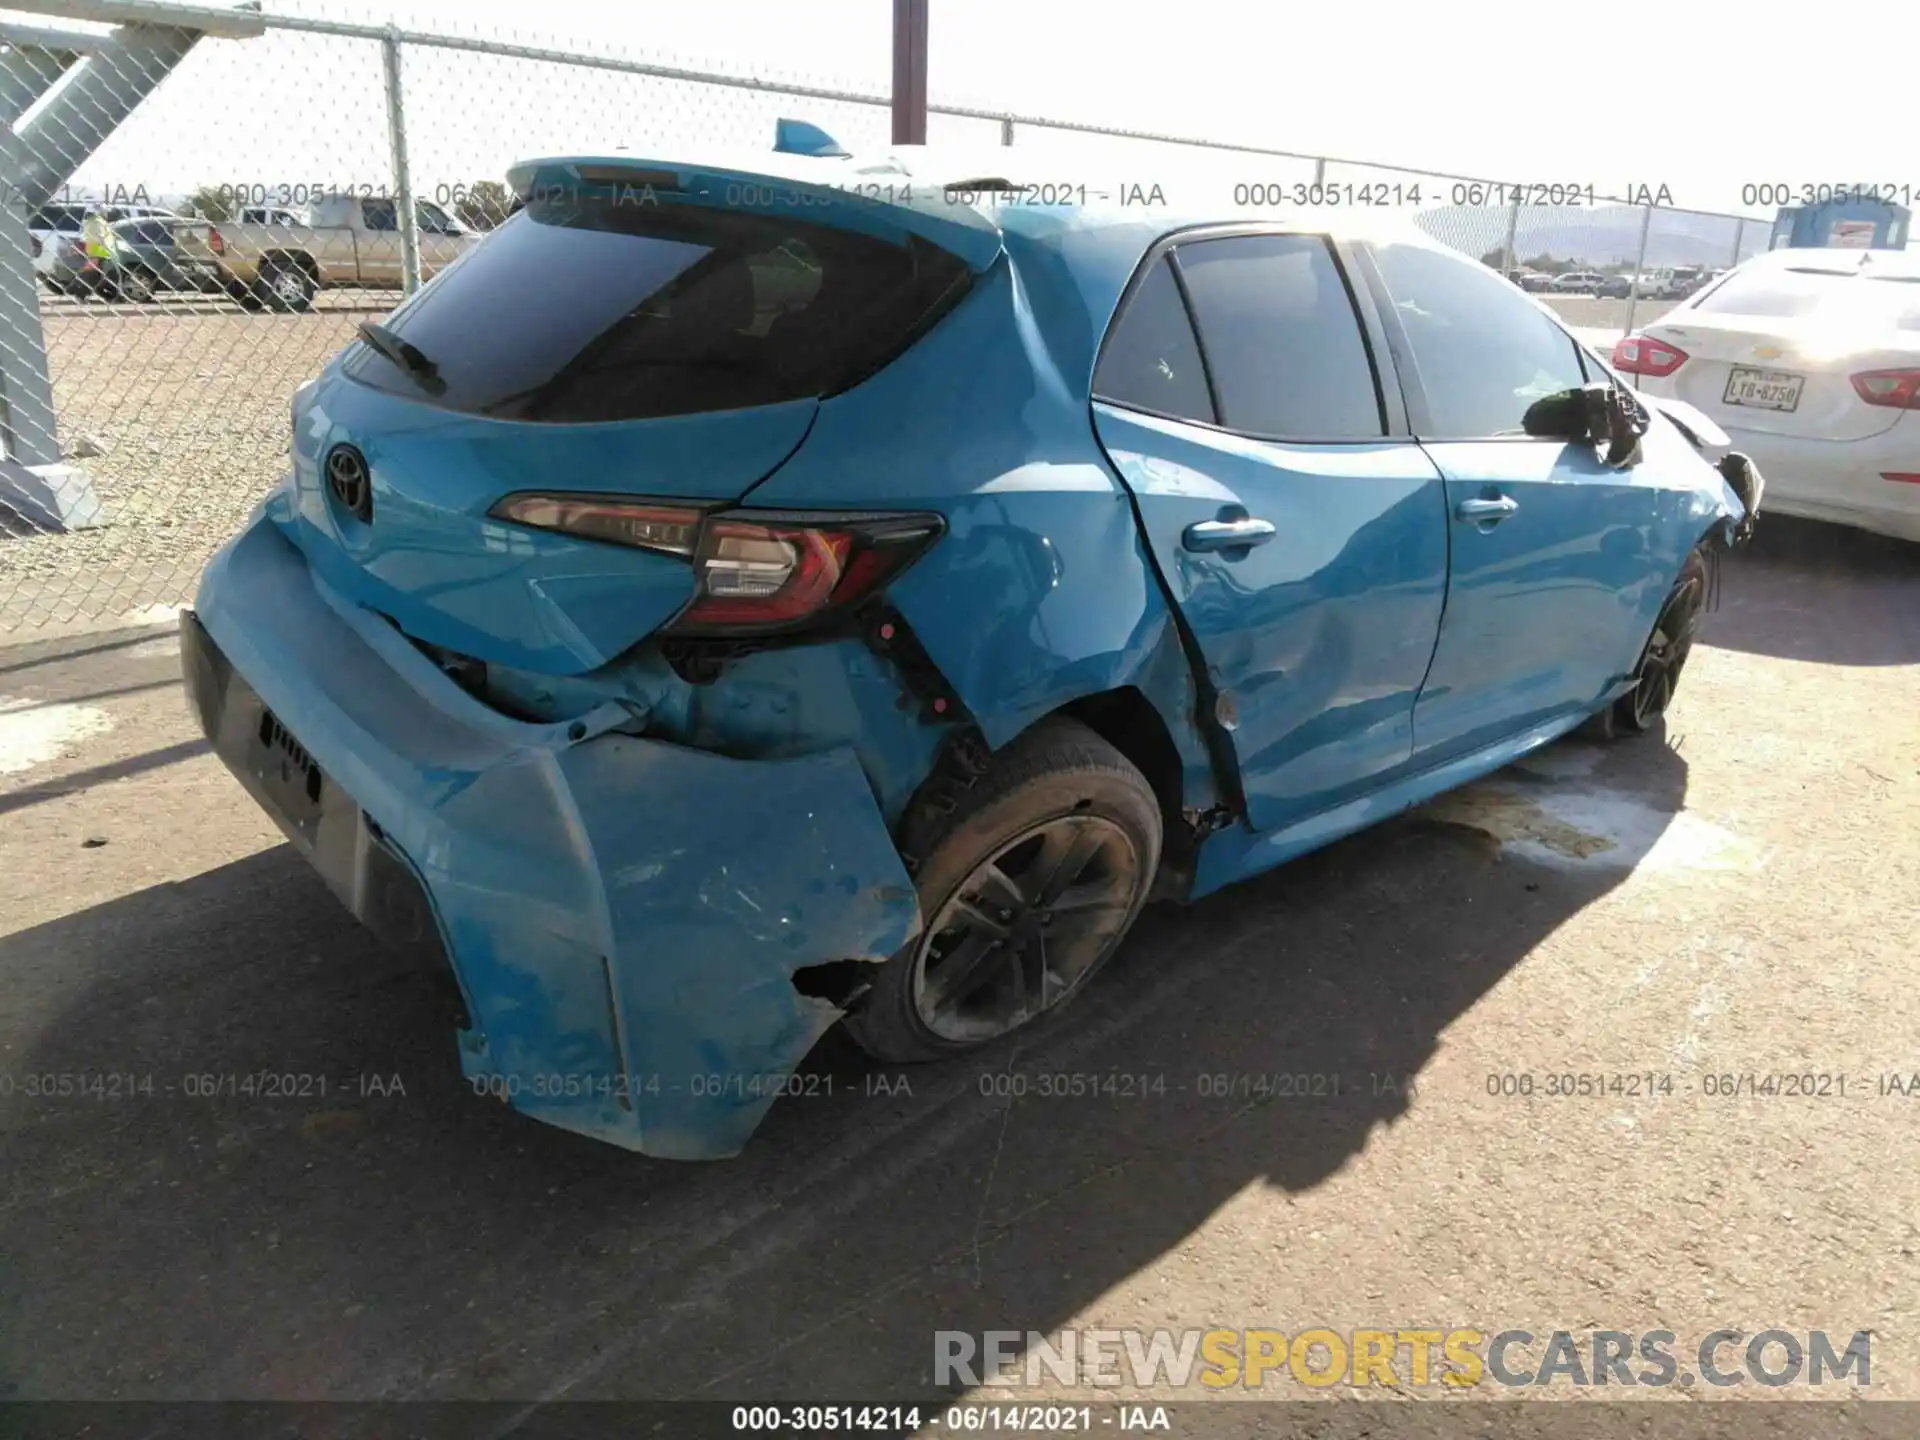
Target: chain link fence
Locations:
point(250, 198)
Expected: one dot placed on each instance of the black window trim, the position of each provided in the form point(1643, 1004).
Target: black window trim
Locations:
point(1393, 419)
point(1419, 417)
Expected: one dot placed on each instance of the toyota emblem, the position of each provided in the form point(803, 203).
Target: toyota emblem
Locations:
point(350, 481)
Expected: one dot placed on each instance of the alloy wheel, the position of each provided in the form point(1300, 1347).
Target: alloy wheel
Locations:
point(1025, 928)
point(1667, 652)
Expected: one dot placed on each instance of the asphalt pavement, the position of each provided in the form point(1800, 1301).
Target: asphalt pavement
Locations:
point(1733, 896)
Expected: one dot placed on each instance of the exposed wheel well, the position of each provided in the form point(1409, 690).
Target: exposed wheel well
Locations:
point(298, 259)
point(1126, 720)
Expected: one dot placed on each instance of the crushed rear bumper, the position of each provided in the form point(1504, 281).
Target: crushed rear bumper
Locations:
point(624, 917)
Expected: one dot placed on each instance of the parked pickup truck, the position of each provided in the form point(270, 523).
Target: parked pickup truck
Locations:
point(338, 240)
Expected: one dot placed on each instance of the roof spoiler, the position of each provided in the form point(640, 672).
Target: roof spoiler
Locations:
point(797, 137)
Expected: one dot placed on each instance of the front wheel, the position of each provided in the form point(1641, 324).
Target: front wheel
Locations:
point(1026, 888)
point(1665, 655)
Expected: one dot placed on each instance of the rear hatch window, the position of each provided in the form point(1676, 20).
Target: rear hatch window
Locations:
point(585, 308)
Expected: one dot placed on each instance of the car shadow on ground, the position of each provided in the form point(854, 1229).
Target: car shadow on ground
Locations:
point(1806, 590)
point(270, 1181)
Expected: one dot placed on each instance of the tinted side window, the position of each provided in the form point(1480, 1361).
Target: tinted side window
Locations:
point(1282, 342)
point(378, 214)
point(1483, 351)
point(1152, 360)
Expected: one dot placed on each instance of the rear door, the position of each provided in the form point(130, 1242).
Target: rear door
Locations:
point(1299, 529)
point(1553, 553)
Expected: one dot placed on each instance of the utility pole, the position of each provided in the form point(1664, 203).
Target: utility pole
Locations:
point(910, 72)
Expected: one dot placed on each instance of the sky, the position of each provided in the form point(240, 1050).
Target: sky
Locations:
point(1696, 104)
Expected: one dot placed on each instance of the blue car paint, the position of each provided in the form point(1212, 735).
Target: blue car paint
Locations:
point(1540, 605)
point(1319, 639)
point(1041, 592)
point(771, 705)
point(625, 915)
point(1238, 852)
point(630, 881)
point(453, 577)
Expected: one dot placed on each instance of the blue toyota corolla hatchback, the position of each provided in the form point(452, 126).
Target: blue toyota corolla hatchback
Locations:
point(740, 598)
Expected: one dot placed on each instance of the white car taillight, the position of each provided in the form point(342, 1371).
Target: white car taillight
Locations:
point(1896, 389)
point(1640, 355)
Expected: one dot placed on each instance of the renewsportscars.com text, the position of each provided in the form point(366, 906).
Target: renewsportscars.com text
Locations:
point(1320, 1357)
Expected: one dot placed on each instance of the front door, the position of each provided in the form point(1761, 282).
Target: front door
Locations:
point(1303, 543)
point(1554, 555)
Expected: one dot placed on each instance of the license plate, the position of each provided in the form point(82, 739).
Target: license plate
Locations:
point(1764, 389)
point(292, 780)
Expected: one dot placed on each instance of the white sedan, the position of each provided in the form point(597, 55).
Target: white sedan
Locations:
point(1810, 361)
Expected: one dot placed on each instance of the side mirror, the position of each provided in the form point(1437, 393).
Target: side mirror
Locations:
point(1602, 415)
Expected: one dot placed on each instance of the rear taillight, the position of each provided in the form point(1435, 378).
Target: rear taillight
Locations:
point(216, 242)
point(755, 571)
point(1640, 355)
point(1897, 389)
point(672, 529)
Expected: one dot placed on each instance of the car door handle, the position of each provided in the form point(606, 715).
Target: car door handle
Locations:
point(1486, 512)
point(1241, 534)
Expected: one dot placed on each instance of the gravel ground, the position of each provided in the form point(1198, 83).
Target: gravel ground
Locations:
point(188, 400)
point(1735, 896)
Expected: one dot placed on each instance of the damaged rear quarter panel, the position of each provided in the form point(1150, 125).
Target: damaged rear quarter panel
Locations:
point(1040, 592)
point(625, 915)
point(717, 880)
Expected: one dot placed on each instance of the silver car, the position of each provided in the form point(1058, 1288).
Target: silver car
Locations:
point(59, 249)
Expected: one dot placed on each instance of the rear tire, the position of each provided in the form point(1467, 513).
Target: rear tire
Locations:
point(1027, 888)
point(1662, 658)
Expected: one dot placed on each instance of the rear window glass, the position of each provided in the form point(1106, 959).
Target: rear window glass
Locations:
point(149, 232)
point(582, 309)
point(1789, 294)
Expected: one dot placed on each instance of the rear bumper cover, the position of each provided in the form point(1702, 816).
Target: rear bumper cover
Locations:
point(624, 916)
point(1840, 481)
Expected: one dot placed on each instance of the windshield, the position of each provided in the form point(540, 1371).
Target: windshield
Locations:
point(582, 309)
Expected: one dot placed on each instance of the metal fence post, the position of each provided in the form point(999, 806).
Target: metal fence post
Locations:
point(1639, 264)
point(1006, 130)
point(408, 221)
point(1320, 172)
point(1739, 239)
point(26, 393)
point(1513, 229)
